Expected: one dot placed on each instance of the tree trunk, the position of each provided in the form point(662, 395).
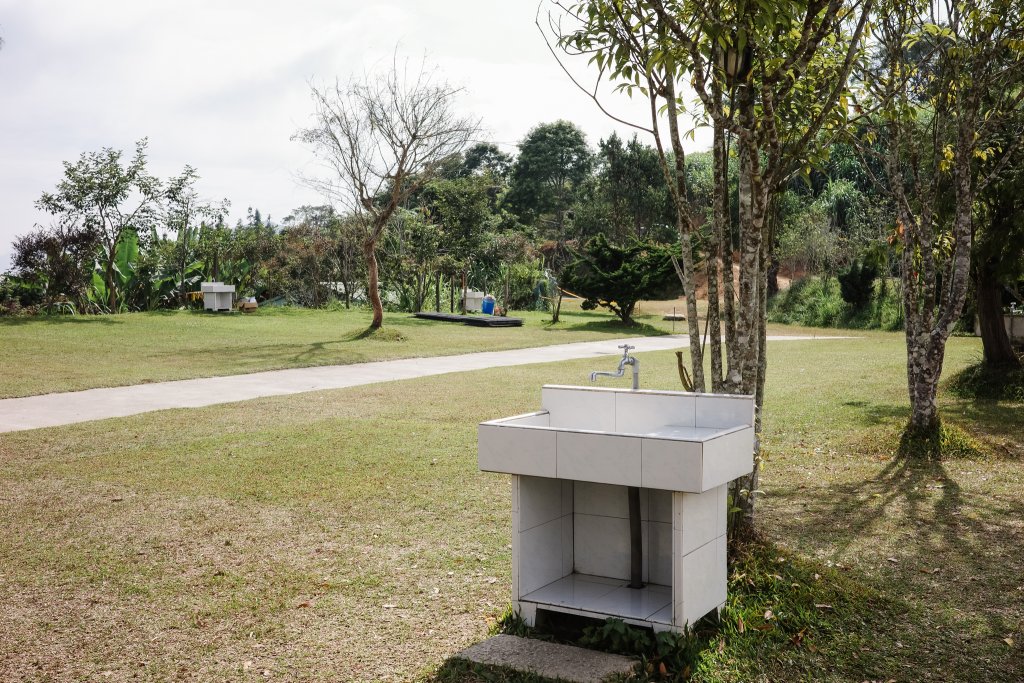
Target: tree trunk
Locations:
point(464, 293)
point(997, 351)
point(437, 291)
point(372, 283)
point(718, 266)
point(752, 200)
point(685, 228)
point(111, 292)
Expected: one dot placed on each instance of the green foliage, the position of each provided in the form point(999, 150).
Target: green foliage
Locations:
point(626, 197)
point(52, 264)
point(554, 160)
point(511, 623)
point(617, 277)
point(858, 284)
point(110, 198)
point(817, 302)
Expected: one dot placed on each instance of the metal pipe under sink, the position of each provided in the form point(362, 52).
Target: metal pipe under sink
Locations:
point(636, 552)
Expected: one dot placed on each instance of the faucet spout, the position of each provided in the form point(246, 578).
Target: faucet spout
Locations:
point(623, 362)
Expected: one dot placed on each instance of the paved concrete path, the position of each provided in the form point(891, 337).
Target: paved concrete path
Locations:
point(49, 410)
point(551, 660)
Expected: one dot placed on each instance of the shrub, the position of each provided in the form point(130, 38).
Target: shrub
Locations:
point(617, 277)
point(816, 302)
point(856, 285)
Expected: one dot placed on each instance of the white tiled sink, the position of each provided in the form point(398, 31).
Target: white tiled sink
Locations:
point(666, 440)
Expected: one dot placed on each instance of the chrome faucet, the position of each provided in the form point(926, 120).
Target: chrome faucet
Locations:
point(626, 360)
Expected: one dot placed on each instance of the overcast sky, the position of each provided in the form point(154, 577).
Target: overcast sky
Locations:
point(223, 84)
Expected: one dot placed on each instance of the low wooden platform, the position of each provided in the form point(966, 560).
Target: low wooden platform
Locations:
point(476, 320)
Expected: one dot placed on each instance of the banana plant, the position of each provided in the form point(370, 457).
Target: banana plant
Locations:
point(125, 260)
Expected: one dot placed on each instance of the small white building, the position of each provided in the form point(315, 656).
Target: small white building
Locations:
point(217, 296)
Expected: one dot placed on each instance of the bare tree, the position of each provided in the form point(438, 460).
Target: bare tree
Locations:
point(383, 136)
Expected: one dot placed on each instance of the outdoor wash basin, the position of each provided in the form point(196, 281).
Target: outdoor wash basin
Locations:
point(619, 501)
point(665, 440)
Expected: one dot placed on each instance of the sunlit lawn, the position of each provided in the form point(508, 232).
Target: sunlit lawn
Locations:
point(347, 535)
point(40, 355)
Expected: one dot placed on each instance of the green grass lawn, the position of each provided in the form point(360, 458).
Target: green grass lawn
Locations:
point(46, 354)
point(347, 535)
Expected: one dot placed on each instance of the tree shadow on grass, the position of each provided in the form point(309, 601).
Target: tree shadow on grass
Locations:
point(957, 562)
point(873, 414)
point(610, 327)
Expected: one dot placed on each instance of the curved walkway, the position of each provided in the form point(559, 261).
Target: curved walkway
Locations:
point(50, 410)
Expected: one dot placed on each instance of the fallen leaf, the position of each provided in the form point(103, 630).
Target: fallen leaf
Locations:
point(1008, 641)
point(892, 559)
point(740, 626)
point(390, 606)
point(768, 614)
point(304, 603)
point(721, 645)
point(662, 670)
point(821, 605)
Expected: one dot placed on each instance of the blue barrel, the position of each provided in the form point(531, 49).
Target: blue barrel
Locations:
point(487, 306)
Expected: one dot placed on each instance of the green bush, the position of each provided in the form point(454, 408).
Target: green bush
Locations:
point(817, 302)
point(857, 284)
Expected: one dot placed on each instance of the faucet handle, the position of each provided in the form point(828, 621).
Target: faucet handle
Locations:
point(626, 348)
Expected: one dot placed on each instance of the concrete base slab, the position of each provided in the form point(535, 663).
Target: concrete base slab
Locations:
point(550, 660)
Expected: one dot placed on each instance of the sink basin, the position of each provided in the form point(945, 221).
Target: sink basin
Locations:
point(665, 440)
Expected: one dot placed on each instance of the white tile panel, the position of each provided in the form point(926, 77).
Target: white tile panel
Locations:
point(611, 500)
point(671, 465)
point(599, 458)
point(579, 408)
point(704, 580)
point(700, 519)
point(540, 556)
point(723, 510)
point(540, 501)
point(516, 450)
point(640, 412)
point(724, 411)
point(568, 544)
point(574, 591)
point(659, 553)
point(601, 546)
point(632, 603)
point(727, 457)
point(660, 505)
